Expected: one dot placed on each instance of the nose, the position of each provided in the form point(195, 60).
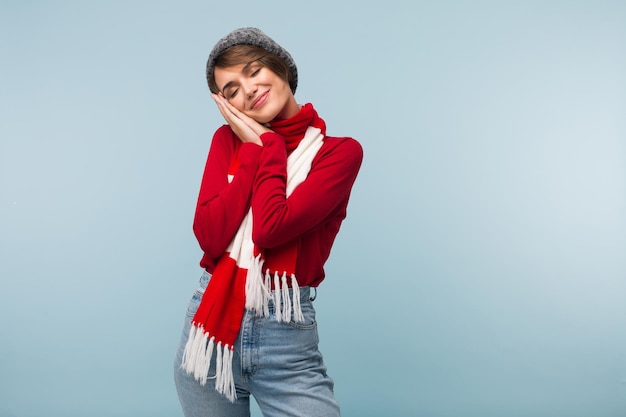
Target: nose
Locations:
point(249, 89)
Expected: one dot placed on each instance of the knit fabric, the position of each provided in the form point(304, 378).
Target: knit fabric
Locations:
point(255, 37)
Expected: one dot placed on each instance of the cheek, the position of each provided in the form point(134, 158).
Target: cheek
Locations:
point(237, 102)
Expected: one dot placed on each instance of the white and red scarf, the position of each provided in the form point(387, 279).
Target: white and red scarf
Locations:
point(243, 278)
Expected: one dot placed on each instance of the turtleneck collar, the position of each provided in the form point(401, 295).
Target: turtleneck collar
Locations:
point(293, 128)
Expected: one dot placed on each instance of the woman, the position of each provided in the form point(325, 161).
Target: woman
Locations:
point(274, 192)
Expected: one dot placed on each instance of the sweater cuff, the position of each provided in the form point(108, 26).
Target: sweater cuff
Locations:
point(250, 150)
point(269, 137)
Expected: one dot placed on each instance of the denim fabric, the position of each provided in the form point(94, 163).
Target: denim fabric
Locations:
point(277, 363)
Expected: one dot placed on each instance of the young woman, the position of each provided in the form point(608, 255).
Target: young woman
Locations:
point(274, 192)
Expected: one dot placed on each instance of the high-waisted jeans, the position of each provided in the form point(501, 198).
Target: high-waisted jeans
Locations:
point(277, 362)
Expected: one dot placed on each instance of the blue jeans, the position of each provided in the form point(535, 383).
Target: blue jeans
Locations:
point(278, 363)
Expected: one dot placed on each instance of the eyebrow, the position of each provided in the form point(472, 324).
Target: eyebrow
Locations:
point(244, 69)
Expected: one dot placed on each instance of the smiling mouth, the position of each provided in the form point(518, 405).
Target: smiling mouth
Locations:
point(259, 101)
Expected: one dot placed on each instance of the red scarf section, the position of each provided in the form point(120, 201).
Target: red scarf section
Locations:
point(293, 129)
point(217, 322)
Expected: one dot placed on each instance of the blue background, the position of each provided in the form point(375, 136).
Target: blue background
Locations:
point(481, 271)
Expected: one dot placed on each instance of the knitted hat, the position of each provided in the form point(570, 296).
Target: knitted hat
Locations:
point(255, 37)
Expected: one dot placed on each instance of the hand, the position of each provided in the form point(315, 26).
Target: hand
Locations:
point(246, 128)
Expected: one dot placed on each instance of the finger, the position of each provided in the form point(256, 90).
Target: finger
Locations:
point(232, 114)
point(242, 125)
point(229, 106)
point(226, 112)
point(257, 127)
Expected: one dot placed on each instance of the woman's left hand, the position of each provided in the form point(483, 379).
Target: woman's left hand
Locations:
point(246, 128)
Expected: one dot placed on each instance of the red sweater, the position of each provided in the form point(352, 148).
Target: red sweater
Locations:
point(311, 216)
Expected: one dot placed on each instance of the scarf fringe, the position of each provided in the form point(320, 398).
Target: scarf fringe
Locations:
point(197, 356)
point(259, 293)
point(286, 299)
point(277, 304)
point(298, 317)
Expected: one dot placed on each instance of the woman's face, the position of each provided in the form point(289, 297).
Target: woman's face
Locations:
point(256, 91)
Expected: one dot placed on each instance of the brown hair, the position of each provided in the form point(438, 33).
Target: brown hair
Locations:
point(242, 54)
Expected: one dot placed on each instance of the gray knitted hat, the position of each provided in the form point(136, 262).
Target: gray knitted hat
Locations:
point(255, 37)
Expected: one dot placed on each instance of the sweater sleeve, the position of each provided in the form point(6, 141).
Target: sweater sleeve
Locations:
point(278, 219)
point(222, 205)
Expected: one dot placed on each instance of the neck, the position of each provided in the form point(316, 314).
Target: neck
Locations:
point(291, 109)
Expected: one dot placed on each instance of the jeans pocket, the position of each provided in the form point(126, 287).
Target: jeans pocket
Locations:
point(308, 312)
point(194, 303)
point(197, 296)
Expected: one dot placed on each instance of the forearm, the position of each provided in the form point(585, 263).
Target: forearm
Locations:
point(223, 203)
point(278, 218)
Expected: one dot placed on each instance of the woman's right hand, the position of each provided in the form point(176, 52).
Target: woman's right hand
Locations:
point(246, 128)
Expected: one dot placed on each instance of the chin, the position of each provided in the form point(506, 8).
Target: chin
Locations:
point(262, 119)
point(265, 116)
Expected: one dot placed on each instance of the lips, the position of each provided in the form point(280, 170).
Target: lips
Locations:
point(259, 101)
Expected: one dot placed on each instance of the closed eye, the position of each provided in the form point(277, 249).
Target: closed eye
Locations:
point(252, 69)
point(231, 93)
